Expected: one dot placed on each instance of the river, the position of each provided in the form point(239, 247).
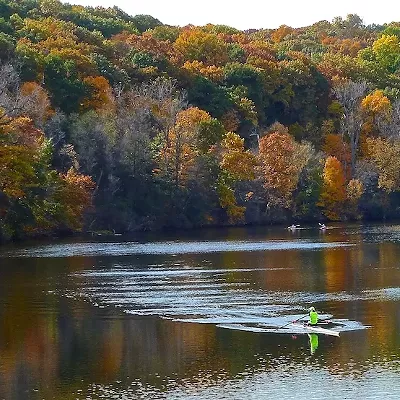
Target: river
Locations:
point(195, 315)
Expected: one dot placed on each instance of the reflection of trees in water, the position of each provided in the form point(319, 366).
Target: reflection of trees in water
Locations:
point(52, 343)
point(100, 347)
point(28, 328)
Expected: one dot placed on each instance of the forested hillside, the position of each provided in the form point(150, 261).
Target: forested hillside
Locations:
point(114, 122)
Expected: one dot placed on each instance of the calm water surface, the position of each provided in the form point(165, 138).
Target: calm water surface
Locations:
point(195, 315)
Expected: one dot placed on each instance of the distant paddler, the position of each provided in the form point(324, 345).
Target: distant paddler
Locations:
point(313, 316)
point(293, 227)
point(322, 227)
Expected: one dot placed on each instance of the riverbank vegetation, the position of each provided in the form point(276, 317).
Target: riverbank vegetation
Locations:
point(114, 122)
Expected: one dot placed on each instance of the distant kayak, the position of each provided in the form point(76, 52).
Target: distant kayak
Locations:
point(293, 227)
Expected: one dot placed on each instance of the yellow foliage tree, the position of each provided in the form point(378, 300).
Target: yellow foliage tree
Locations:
point(376, 107)
point(236, 161)
point(75, 194)
point(387, 51)
point(211, 72)
point(237, 164)
point(385, 154)
point(333, 193)
point(227, 201)
point(180, 149)
point(377, 103)
point(354, 191)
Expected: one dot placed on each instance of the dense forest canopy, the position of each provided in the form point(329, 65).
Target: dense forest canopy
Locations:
point(114, 122)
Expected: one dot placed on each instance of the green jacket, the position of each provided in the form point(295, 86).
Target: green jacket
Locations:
point(313, 318)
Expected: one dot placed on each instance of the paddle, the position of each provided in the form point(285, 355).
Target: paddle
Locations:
point(291, 322)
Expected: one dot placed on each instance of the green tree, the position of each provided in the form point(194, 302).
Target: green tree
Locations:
point(65, 87)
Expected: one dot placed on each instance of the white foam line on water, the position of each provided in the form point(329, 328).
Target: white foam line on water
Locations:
point(124, 284)
point(130, 287)
point(167, 248)
point(239, 327)
point(206, 304)
point(169, 272)
point(226, 320)
point(207, 296)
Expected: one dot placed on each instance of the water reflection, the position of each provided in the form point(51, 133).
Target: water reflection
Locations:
point(64, 333)
point(314, 342)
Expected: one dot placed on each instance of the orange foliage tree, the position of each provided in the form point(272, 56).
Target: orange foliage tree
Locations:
point(333, 194)
point(101, 97)
point(75, 196)
point(35, 102)
point(198, 68)
point(335, 146)
point(281, 161)
point(195, 44)
point(231, 121)
point(278, 35)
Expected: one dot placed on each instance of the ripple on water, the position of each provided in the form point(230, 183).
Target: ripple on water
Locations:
point(278, 382)
point(167, 248)
point(208, 296)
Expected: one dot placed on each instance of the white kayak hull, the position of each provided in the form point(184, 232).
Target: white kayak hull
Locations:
point(317, 329)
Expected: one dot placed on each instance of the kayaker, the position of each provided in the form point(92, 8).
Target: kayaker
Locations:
point(313, 316)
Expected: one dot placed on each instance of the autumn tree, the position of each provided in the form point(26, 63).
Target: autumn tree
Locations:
point(281, 162)
point(333, 193)
point(29, 187)
point(182, 148)
point(75, 196)
point(335, 146)
point(350, 95)
point(195, 44)
point(354, 191)
point(16, 160)
point(100, 97)
point(237, 164)
point(143, 109)
point(281, 32)
point(387, 51)
point(377, 109)
point(385, 154)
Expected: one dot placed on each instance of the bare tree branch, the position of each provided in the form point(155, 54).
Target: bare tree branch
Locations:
point(350, 95)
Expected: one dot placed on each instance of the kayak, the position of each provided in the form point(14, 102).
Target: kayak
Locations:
point(317, 329)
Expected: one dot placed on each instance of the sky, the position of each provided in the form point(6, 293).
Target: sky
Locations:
point(246, 14)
